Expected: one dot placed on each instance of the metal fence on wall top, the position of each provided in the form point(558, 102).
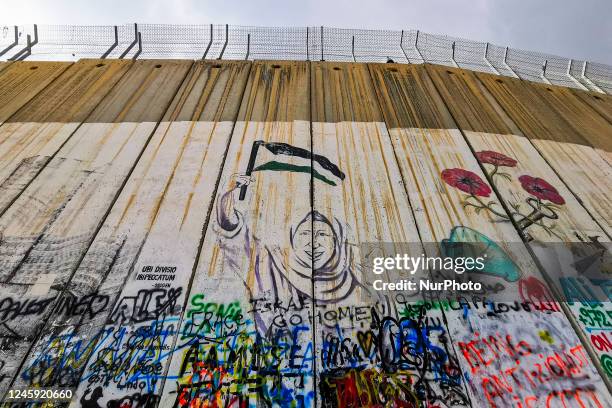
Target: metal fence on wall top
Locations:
point(211, 41)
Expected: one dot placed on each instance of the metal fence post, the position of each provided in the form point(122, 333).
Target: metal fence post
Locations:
point(353, 50)
point(506, 63)
point(28, 49)
point(587, 80)
point(248, 46)
point(402, 47)
point(322, 56)
point(225, 43)
point(35, 37)
point(416, 46)
point(486, 51)
point(137, 54)
point(568, 72)
point(453, 55)
point(14, 43)
point(112, 47)
point(133, 42)
point(307, 45)
point(543, 74)
point(209, 42)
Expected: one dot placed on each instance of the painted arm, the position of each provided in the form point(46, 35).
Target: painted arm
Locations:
point(228, 218)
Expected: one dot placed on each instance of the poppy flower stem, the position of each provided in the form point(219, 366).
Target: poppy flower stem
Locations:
point(494, 172)
point(488, 207)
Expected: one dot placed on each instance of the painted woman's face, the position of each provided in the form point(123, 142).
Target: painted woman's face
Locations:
point(318, 246)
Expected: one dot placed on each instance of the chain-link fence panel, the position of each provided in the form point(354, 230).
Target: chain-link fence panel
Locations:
point(174, 41)
point(73, 42)
point(435, 49)
point(215, 41)
point(601, 75)
point(275, 43)
point(359, 45)
point(471, 55)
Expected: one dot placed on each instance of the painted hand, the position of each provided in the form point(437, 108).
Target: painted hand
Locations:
point(238, 180)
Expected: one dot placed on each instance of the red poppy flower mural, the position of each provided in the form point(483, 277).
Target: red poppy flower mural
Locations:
point(542, 207)
point(495, 158)
point(466, 181)
point(541, 189)
point(471, 183)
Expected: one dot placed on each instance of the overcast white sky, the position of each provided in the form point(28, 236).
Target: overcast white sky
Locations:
point(580, 29)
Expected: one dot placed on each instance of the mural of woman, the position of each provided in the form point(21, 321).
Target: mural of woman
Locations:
point(316, 261)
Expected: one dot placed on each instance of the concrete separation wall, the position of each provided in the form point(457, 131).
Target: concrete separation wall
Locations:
point(181, 233)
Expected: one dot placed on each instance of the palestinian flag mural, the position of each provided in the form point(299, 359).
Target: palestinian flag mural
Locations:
point(328, 174)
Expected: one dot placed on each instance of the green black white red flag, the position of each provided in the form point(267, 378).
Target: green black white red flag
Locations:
point(328, 173)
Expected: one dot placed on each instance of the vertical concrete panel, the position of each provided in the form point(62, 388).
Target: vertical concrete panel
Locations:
point(581, 118)
point(435, 161)
point(245, 338)
point(136, 272)
point(568, 151)
point(359, 358)
point(507, 157)
point(21, 81)
point(49, 227)
point(600, 102)
point(36, 132)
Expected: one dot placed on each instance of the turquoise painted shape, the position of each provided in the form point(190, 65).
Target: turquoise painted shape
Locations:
point(467, 242)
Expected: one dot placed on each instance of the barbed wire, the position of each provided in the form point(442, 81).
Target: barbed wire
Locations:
point(214, 41)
